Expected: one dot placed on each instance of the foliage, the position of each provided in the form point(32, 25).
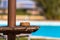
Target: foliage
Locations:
point(52, 7)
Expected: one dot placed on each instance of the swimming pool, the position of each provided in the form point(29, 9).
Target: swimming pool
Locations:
point(47, 28)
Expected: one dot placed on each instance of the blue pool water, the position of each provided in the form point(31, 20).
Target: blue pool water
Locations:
point(45, 30)
point(49, 31)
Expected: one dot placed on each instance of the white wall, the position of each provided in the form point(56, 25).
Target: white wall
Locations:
point(46, 23)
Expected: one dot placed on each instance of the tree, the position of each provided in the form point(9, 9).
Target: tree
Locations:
point(53, 8)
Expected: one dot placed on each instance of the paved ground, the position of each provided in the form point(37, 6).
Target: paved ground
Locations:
point(21, 17)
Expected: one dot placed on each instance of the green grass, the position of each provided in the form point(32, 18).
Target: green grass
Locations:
point(22, 38)
point(2, 39)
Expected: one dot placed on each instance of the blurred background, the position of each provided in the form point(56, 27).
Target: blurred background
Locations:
point(33, 9)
